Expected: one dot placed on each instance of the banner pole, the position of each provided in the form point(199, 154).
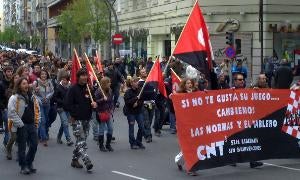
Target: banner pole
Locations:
point(175, 74)
point(88, 61)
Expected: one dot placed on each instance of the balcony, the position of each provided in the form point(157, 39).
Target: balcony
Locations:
point(52, 22)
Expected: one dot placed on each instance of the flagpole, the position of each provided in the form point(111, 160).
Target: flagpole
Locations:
point(146, 80)
point(196, 2)
point(88, 88)
point(175, 74)
point(88, 61)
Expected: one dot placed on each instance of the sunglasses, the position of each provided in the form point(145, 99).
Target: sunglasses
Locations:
point(239, 79)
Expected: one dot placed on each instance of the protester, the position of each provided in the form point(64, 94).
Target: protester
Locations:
point(186, 86)
point(149, 95)
point(44, 90)
point(60, 94)
point(149, 64)
point(13, 135)
point(261, 82)
point(133, 109)
point(116, 79)
point(222, 83)
point(79, 105)
point(239, 83)
point(104, 113)
point(283, 76)
point(177, 66)
point(23, 111)
point(36, 73)
point(4, 85)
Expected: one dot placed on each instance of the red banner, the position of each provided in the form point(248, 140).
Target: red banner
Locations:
point(219, 128)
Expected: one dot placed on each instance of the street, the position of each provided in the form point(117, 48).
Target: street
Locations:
point(156, 162)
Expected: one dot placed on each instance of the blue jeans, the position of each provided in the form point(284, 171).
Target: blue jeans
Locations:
point(64, 127)
point(27, 135)
point(5, 120)
point(106, 126)
point(140, 121)
point(95, 125)
point(172, 120)
point(44, 121)
point(148, 118)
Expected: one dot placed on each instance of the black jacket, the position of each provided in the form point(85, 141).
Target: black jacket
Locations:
point(115, 77)
point(4, 85)
point(130, 97)
point(283, 77)
point(78, 103)
point(59, 95)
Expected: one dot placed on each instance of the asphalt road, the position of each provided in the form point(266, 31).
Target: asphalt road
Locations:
point(156, 162)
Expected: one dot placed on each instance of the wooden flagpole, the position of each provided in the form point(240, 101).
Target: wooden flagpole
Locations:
point(196, 2)
point(175, 74)
point(88, 61)
point(88, 88)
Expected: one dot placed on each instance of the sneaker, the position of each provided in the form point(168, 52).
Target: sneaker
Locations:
point(173, 131)
point(141, 146)
point(148, 139)
point(32, 169)
point(89, 166)
point(8, 155)
point(113, 138)
point(25, 171)
point(158, 133)
point(179, 167)
point(59, 141)
point(256, 164)
point(109, 148)
point(70, 143)
point(192, 173)
point(76, 164)
point(134, 147)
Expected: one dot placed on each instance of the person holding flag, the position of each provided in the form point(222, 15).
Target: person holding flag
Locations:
point(80, 104)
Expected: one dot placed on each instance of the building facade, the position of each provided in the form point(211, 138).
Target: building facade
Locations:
point(152, 27)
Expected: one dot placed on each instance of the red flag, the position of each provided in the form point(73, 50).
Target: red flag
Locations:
point(98, 63)
point(175, 81)
point(155, 75)
point(89, 69)
point(75, 67)
point(193, 46)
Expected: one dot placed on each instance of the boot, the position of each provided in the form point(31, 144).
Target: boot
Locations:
point(108, 141)
point(76, 164)
point(101, 141)
point(8, 154)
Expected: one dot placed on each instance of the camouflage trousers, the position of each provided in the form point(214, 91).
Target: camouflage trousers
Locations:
point(81, 132)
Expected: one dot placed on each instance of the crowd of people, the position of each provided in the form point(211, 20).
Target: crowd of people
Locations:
point(35, 89)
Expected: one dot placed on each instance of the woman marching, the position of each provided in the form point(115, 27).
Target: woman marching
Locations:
point(186, 86)
point(104, 113)
point(44, 90)
point(23, 111)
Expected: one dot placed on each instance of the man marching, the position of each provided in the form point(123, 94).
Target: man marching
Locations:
point(78, 103)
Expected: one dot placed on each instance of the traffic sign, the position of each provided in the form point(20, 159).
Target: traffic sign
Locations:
point(230, 52)
point(118, 39)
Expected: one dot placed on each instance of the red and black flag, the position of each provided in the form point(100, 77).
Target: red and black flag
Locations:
point(155, 76)
point(193, 46)
point(75, 67)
